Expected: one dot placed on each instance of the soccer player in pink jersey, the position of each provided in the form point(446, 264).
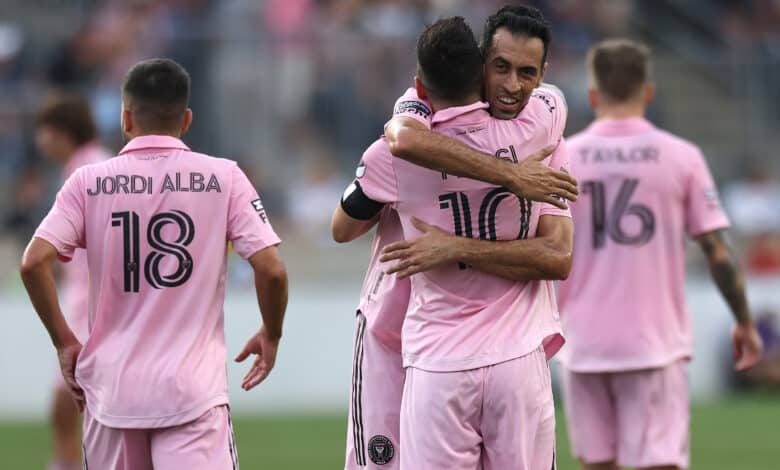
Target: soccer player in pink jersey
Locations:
point(155, 222)
point(378, 375)
point(624, 313)
point(467, 332)
point(65, 134)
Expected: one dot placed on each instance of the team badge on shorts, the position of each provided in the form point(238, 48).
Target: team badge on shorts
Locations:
point(380, 450)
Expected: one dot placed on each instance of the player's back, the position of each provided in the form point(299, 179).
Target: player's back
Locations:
point(460, 317)
point(642, 189)
point(157, 221)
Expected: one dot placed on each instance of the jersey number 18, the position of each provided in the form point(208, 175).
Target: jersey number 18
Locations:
point(131, 232)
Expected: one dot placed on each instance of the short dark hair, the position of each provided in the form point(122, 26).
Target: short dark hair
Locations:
point(157, 91)
point(69, 114)
point(619, 68)
point(449, 60)
point(518, 19)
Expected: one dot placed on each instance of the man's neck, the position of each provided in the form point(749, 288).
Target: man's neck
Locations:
point(620, 111)
point(439, 105)
point(133, 135)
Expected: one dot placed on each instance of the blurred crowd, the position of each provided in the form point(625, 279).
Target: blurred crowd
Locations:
point(296, 89)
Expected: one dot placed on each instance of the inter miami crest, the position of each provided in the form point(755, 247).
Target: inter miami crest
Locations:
point(380, 450)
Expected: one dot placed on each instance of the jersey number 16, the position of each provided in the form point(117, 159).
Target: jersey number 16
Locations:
point(607, 222)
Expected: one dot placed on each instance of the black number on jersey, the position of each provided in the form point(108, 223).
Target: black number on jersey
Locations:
point(129, 222)
point(458, 203)
point(607, 222)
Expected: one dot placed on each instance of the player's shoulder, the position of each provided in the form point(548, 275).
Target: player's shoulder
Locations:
point(682, 148)
point(379, 149)
point(578, 138)
point(550, 94)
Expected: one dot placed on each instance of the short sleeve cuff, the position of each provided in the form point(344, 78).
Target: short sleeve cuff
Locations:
point(720, 224)
point(64, 252)
point(246, 248)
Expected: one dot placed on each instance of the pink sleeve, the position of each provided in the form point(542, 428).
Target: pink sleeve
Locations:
point(703, 211)
point(376, 174)
point(412, 106)
point(63, 226)
point(248, 226)
point(559, 160)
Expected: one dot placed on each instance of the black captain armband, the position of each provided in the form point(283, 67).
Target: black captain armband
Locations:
point(357, 205)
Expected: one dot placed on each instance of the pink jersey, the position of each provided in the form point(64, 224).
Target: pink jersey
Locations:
point(384, 298)
point(460, 318)
point(75, 279)
point(642, 190)
point(155, 222)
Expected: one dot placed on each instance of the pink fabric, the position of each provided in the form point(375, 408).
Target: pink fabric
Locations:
point(642, 190)
point(492, 418)
point(373, 431)
point(206, 443)
point(75, 282)
point(155, 222)
point(639, 418)
point(384, 298)
point(460, 318)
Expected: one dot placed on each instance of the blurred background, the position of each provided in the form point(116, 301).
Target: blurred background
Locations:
point(295, 90)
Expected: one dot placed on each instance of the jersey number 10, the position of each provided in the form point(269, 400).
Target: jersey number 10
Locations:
point(458, 203)
point(131, 232)
point(607, 222)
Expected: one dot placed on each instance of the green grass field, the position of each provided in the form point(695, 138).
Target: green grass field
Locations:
point(741, 433)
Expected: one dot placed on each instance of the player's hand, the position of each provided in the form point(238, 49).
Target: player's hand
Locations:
point(748, 346)
point(536, 181)
point(265, 347)
point(68, 356)
point(430, 250)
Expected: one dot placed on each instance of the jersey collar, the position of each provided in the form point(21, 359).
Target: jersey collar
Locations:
point(453, 112)
point(143, 142)
point(615, 127)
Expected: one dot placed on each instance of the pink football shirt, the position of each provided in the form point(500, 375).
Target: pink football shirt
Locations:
point(460, 318)
point(155, 222)
point(75, 274)
point(384, 298)
point(641, 191)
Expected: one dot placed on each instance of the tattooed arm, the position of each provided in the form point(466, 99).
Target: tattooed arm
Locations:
point(726, 274)
point(728, 277)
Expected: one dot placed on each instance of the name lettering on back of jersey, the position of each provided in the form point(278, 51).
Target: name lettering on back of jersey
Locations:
point(504, 153)
point(648, 154)
point(258, 205)
point(136, 184)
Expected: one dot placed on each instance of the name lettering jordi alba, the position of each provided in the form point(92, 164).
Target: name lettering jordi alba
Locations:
point(136, 184)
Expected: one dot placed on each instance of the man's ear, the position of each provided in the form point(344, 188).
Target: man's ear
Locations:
point(127, 121)
point(418, 85)
point(541, 76)
point(593, 98)
point(187, 121)
point(649, 93)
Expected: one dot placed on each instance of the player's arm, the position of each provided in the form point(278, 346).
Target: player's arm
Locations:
point(37, 273)
point(547, 256)
point(355, 215)
point(38, 276)
point(411, 140)
point(363, 200)
point(727, 275)
point(271, 289)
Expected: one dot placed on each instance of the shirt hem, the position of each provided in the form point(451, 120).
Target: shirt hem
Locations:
point(481, 361)
point(594, 369)
point(146, 422)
